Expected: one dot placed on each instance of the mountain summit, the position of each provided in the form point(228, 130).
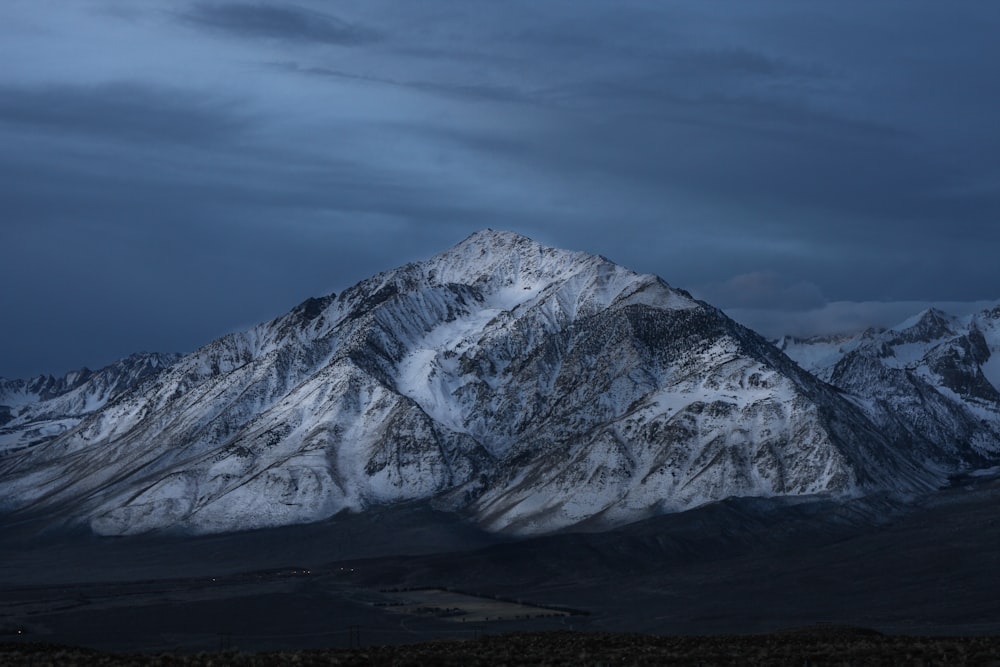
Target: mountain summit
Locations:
point(529, 388)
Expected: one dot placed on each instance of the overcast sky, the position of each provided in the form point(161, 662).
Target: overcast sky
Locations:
point(173, 170)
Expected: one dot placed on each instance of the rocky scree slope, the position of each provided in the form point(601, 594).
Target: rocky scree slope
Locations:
point(531, 388)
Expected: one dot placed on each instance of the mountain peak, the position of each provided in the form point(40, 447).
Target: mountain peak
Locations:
point(506, 259)
point(930, 324)
point(529, 387)
point(488, 235)
point(490, 241)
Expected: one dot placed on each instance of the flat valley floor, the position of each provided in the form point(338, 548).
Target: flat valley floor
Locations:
point(810, 647)
point(738, 571)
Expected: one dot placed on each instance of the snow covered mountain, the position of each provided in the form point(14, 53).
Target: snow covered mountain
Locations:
point(40, 409)
point(933, 379)
point(528, 387)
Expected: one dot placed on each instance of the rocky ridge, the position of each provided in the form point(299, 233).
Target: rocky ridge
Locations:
point(931, 379)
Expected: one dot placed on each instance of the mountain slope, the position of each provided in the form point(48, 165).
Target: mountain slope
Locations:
point(40, 409)
point(932, 379)
point(531, 388)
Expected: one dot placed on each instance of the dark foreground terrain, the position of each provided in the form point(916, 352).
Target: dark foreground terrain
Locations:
point(809, 647)
point(740, 571)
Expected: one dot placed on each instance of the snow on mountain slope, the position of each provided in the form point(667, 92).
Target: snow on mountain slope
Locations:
point(529, 387)
point(933, 378)
point(820, 354)
point(36, 410)
point(987, 323)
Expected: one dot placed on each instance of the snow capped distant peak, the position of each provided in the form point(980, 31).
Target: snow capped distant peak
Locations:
point(990, 315)
point(933, 378)
point(47, 387)
point(927, 325)
point(35, 411)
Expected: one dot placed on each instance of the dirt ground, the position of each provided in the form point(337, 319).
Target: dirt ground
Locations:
point(813, 647)
point(463, 608)
point(745, 568)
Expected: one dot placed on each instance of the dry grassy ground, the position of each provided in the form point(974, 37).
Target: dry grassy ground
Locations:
point(464, 608)
point(918, 573)
point(831, 646)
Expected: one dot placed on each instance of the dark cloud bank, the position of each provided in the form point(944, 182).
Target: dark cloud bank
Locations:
point(178, 170)
point(277, 21)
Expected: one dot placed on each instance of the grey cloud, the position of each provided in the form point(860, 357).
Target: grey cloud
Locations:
point(277, 21)
point(727, 148)
point(813, 153)
point(762, 290)
point(740, 62)
point(773, 153)
point(832, 199)
point(472, 91)
point(128, 111)
point(845, 317)
point(654, 94)
point(465, 91)
point(249, 184)
point(175, 251)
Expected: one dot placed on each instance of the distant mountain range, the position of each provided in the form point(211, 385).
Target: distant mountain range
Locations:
point(528, 388)
point(932, 379)
point(37, 410)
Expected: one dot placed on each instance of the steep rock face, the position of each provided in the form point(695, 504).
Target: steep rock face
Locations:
point(931, 379)
point(529, 387)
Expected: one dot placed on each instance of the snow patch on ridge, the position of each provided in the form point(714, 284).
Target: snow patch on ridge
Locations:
point(991, 369)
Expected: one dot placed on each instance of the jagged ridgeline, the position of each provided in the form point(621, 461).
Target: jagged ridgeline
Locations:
point(529, 388)
point(931, 380)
